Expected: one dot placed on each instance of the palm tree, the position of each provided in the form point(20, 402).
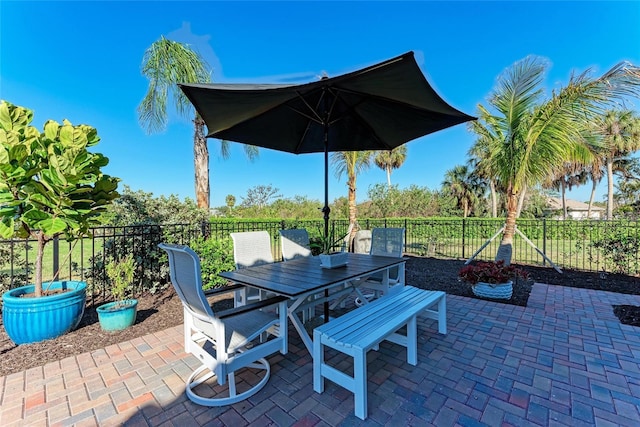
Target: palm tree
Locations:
point(538, 135)
point(167, 63)
point(628, 189)
point(391, 159)
point(462, 184)
point(621, 137)
point(351, 163)
point(595, 173)
point(479, 154)
point(567, 176)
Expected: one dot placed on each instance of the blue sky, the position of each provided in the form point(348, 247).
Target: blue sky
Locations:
point(81, 61)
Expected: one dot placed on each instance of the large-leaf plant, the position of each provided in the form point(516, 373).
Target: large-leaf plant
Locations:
point(50, 184)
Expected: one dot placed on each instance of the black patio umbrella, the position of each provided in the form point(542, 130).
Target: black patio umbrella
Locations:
point(376, 108)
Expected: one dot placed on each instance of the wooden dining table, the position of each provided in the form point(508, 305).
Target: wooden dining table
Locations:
point(306, 283)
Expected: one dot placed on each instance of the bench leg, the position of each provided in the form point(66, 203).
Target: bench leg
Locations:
point(318, 361)
point(360, 389)
point(412, 341)
point(442, 315)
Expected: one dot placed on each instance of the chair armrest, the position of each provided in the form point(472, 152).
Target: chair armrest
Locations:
point(250, 307)
point(223, 290)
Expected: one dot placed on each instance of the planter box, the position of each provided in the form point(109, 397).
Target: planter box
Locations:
point(490, 290)
point(338, 259)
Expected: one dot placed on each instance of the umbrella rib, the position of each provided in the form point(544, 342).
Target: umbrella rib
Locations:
point(336, 95)
point(315, 116)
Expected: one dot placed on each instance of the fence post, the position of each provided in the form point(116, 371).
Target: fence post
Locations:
point(464, 226)
point(406, 233)
point(204, 229)
point(544, 240)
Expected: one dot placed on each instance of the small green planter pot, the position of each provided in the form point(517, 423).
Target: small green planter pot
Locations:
point(119, 315)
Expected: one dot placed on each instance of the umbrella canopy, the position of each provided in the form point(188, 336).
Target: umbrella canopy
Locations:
point(376, 108)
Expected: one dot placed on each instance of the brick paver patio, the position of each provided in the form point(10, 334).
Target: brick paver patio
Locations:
point(563, 360)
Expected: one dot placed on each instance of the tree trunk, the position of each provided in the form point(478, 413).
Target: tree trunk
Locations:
point(352, 200)
point(39, 258)
point(593, 194)
point(563, 189)
point(609, 188)
point(521, 201)
point(201, 164)
point(505, 250)
point(389, 176)
point(494, 199)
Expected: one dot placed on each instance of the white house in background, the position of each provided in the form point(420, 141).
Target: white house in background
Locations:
point(575, 209)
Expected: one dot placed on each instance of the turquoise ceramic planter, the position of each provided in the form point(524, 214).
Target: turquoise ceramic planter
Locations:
point(29, 320)
point(115, 316)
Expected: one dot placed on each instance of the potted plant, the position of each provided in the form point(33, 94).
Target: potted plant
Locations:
point(324, 246)
point(50, 186)
point(120, 314)
point(492, 279)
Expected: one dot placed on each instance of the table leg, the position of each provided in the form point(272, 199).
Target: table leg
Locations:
point(299, 325)
point(326, 306)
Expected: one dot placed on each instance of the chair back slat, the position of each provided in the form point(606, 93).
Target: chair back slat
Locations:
point(295, 243)
point(251, 248)
point(362, 242)
point(184, 269)
point(387, 242)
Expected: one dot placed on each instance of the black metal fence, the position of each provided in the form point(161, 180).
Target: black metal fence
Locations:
point(612, 246)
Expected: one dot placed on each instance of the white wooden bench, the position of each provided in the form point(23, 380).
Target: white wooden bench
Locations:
point(364, 328)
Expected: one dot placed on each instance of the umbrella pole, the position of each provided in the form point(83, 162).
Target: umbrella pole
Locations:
point(326, 210)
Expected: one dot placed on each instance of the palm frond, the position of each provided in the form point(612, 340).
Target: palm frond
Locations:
point(518, 91)
point(165, 64)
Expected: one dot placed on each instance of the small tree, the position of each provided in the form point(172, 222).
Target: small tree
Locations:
point(50, 185)
point(260, 196)
point(120, 273)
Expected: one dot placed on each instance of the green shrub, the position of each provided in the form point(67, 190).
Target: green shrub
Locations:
point(620, 249)
point(216, 256)
point(120, 275)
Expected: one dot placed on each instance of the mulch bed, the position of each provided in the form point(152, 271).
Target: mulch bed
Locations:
point(160, 311)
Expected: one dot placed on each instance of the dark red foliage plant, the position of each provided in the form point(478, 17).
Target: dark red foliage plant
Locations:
point(491, 272)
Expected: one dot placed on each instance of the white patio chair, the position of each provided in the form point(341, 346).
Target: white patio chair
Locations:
point(295, 243)
point(251, 248)
point(224, 342)
point(384, 242)
point(362, 242)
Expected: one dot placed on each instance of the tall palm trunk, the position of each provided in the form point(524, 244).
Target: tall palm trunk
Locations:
point(609, 188)
point(352, 200)
point(494, 199)
point(389, 176)
point(201, 164)
point(563, 189)
point(505, 250)
point(593, 194)
point(523, 193)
